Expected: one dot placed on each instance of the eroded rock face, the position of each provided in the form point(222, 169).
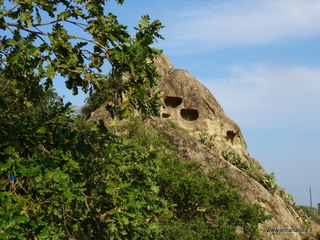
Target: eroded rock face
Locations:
point(285, 216)
point(191, 106)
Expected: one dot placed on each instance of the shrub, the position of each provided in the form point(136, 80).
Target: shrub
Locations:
point(75, 179)
point(204, 139)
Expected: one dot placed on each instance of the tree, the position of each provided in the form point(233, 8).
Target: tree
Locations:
point(65, 178)
point(36, 46)
point(69, 182)
point(53, 164)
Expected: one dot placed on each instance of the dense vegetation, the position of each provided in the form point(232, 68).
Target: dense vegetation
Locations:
point(63, 177)
point(36, 45)
point(76, 179)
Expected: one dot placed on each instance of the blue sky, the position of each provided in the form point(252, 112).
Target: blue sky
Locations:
point(261, 60)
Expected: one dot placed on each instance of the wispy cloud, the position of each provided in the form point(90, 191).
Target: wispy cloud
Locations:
point(270, 96)
point(241, 22)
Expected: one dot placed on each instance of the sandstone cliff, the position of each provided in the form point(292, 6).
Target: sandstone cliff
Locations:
point(194, 122)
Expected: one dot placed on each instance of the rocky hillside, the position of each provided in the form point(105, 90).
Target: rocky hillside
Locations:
point(194, 122)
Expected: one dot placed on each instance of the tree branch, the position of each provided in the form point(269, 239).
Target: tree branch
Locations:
point(46, 23)
point(10, 10)
point(65, 223)
point(92, 41)
point(80, 25)
point(25, 28)
point(39, 35)
point(85, 4)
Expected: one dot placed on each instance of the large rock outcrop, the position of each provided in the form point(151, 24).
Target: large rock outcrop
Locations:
point(190, 106)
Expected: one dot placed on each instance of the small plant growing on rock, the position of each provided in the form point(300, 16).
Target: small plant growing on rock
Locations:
point(232, 157)
point(246, 166)
point(205, 139)
point(289, 198)
point(269, 182)
point(250, 169)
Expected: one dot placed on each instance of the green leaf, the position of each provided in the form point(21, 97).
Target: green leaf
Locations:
point(50, 71)
point(21, 219)
point(44, 233)
point(12, 42)
point(42, 129)
point(9, 150)
point(155, 189)
point(6, 166)
point(125, 220)
point(24, 16)
point(64, 15)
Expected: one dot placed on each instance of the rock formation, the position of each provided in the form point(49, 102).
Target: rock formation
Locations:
point(208, 136)
point(191, 105)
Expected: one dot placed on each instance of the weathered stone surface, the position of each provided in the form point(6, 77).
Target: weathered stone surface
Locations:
point(190, 106)
point(186, 147)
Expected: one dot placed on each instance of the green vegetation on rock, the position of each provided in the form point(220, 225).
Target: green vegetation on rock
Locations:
point(312, 213)
point(77, 179)
point(62, 177)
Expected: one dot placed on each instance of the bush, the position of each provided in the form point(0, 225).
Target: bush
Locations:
point(202, 207)
point(75, 179)
point(213, 205)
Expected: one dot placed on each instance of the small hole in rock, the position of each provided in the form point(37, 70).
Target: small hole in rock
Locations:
point(230, 136)
point(173, 101)
point(165, 115)
point(189, 114)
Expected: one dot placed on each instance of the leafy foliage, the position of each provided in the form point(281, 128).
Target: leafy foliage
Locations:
point(205, 139)
point(202, 207)
point(98, 97)
point(267, 180)
point(37, 46)
point(71, 182)
point(62, 177)
point(82, 183)
point(206, 209)
point(232, 157)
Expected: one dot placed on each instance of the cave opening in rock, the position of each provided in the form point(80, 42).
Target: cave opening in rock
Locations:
point(172, 101)
point(165, 115)
point(230, 136)
point(189, 114)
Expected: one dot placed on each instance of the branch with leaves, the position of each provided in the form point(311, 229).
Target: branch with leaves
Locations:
point(81, 59)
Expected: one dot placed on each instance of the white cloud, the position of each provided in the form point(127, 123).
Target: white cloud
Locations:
point(234, 23)
point(270, 96)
